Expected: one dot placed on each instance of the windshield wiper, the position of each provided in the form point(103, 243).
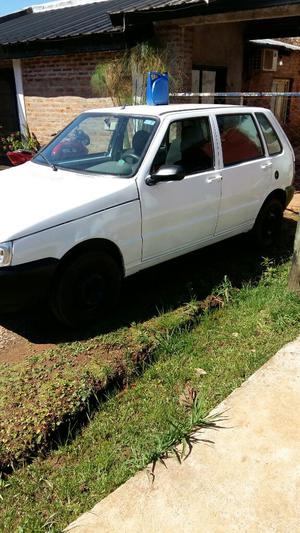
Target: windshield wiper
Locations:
point(54, 167)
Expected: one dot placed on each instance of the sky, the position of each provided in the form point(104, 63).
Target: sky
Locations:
point(8, 6)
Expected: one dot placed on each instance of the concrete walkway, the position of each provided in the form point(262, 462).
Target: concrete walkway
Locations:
point(247, 481)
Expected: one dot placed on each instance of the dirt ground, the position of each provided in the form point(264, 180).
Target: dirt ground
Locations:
point(14, 347)
point(29, 333)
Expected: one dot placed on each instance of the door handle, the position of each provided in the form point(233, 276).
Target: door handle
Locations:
point(266, 165)
point(219, 177)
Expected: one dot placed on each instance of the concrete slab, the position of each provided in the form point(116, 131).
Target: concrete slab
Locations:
point(294, 205)
point(248, 480)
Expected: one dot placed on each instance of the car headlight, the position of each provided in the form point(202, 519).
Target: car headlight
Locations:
point(6, 253)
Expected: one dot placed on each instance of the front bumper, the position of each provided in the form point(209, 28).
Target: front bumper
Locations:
point(23, 285)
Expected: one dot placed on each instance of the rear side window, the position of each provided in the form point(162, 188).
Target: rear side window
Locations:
point(188, 142)
point(270, 135)
point(240, 138)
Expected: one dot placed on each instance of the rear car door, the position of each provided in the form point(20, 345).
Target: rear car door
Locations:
point(279, 149)
point(246, 171)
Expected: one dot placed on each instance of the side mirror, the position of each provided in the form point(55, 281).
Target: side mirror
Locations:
point(166, 173)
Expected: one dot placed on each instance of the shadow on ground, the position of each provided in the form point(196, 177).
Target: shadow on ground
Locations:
point(163, 287)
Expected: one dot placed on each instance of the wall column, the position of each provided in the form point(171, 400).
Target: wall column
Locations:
point(179, 41)
point(17, 66)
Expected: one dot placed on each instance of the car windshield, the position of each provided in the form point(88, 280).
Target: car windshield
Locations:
point(101, 143)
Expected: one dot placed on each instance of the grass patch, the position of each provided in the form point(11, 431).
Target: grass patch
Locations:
point(50, 394)
point(135, 425)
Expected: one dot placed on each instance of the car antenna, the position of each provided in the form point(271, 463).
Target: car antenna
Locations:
point(52, 165)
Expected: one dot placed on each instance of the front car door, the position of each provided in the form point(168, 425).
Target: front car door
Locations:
point(246, 171)
point(179, 215)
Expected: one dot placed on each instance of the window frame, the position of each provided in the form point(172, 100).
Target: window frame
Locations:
point(100, 113)
point(260, 135)
point(262, 131)
point(212, 138)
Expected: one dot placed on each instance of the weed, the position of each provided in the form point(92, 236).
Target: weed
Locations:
point(224, 290)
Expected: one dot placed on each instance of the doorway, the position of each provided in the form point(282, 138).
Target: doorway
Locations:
point(9, 120)
point(280, 104)
point(209, 80)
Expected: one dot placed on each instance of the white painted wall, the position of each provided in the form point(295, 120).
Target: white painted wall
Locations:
point(17, 66)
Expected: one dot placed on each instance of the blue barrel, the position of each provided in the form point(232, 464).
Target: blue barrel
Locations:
point(157, 92)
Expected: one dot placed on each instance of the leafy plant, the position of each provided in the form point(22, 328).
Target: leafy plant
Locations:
point(112, 79)
point(224, 290)
point(124, 78)
point(269, 270)
point(20, 141)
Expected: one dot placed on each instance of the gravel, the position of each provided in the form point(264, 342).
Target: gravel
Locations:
point(7, 338)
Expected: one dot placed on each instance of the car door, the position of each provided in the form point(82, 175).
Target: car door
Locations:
point(246, 171)
point(279, 149)
point(177, 215)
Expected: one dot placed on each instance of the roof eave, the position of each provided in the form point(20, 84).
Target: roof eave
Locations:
point(103, 42)
point(65, 46)
point(135, 16)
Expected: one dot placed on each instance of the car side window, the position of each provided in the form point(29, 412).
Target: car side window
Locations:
point(240, 138)
point(270, 135)
point(188, 143)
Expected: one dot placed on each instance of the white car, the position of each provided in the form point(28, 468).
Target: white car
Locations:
point(122, 189)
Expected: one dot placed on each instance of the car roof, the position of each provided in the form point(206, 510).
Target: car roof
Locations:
point(158, 110)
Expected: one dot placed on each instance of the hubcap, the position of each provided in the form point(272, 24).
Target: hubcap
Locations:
point(92, 290)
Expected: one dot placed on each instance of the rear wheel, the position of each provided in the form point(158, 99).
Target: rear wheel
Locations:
point(86, 288)
point(268, 223)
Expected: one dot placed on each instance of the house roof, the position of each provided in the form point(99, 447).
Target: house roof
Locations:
point(274, 43)
point(78, 18)
point(147, 5)
point(81, 18)
point(168, 9)
point(86, 19)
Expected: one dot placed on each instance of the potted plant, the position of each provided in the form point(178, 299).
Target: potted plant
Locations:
point(20, 147)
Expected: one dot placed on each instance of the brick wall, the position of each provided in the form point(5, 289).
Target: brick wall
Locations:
point(197, 45)
point(179, 41)
point(58, 88)
point(262, 81)
point(5, 63)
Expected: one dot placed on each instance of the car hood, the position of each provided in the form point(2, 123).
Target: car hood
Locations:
point(33, 197)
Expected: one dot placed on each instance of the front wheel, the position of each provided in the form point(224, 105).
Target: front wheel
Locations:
point(86, 289)
point(268, 223)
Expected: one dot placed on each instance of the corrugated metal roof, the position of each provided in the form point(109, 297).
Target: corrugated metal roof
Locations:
point(61, 23)
point(276, 43)
point(164, 9)
point(87, 19)
point(98, 18)
point(147, 5)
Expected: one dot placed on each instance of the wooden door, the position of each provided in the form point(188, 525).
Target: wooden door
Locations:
point(279, 104)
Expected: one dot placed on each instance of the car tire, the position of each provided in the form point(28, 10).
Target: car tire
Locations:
point(86, 289)
point(268, 223)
